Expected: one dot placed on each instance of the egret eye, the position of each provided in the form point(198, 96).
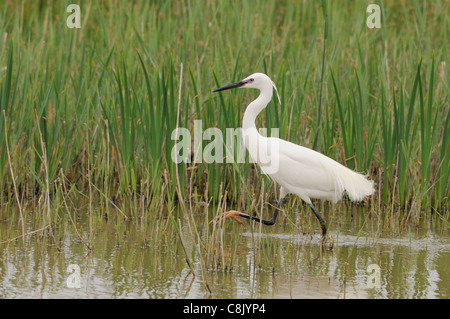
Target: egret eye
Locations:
point(251, 80)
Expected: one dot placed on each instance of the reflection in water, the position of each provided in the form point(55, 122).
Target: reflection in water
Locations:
point(147, 260)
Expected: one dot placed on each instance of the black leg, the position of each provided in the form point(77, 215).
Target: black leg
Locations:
point(321, 221)
point(268, 222)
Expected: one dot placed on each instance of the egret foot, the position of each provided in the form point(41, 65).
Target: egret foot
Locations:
point(231, 213)
point(234, 214)
point(321, 221)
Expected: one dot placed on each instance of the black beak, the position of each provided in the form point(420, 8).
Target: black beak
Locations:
point(230, 86)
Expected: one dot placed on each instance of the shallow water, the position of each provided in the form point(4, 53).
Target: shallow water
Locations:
point(146, 260)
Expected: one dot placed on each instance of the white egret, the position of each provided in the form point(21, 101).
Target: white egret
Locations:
point(297, 169)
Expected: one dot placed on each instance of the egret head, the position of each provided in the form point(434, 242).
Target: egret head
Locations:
point(258, 81)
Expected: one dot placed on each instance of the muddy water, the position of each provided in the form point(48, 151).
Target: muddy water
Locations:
point(148, 259)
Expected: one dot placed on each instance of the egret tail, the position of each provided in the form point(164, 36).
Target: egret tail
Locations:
point(356, 185)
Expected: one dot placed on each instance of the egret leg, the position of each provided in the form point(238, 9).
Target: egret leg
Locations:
point(321, 220)
point(234, 214)
point(268, 222)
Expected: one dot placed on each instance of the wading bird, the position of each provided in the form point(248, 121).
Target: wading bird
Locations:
point(297, 169)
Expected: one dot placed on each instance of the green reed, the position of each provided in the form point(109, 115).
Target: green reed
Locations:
point(98, 105)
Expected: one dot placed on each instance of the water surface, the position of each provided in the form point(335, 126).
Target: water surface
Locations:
point(148, 259)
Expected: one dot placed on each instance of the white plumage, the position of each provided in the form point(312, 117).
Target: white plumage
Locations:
point(310, 174)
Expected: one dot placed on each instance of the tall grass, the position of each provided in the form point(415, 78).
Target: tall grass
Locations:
point(98, 105)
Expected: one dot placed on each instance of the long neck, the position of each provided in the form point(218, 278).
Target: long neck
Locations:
point(255, 107)
point(251, 135)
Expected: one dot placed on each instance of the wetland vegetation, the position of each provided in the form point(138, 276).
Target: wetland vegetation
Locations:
point(87, 118)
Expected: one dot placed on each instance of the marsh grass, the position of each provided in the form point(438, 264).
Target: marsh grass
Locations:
point(88, 114)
